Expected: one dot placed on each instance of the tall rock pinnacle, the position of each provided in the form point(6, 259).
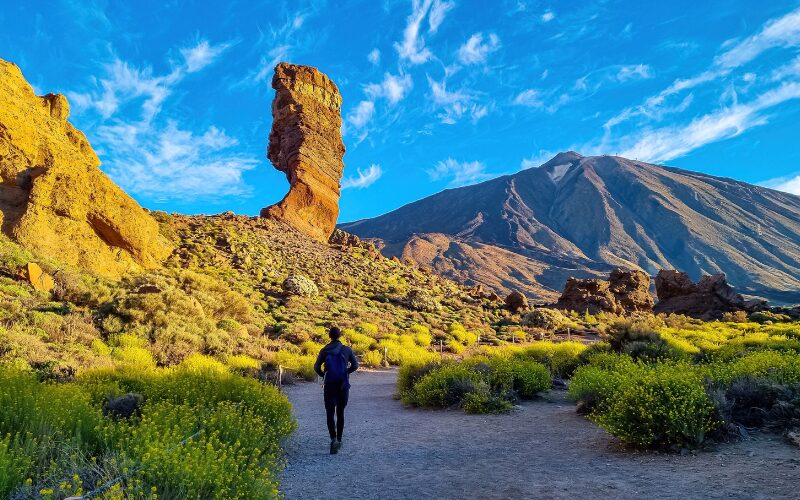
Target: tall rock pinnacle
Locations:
point(53, 197)
point(306, 144)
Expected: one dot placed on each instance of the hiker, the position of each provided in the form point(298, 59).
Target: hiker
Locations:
point(339, 362)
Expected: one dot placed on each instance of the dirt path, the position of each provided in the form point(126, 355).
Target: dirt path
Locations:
point(543, 450)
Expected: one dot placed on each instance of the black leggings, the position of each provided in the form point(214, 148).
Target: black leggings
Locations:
point(335, 400)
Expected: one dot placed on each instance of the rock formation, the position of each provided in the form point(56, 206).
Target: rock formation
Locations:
point(54, 199)
point(516, 301)
point(707, 299)
point(306, 144)
point(625, 291)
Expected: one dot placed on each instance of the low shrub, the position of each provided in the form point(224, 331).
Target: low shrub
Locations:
point(372, 359)
point(548, 319)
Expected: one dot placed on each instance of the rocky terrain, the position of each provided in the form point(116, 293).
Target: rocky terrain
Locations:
point(584, 216)
point(306, 144)
point(52, 191)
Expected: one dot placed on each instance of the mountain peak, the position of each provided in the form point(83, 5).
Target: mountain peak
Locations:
point(563, 157)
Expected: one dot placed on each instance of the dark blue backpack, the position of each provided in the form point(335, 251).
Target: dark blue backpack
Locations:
point(335, 366)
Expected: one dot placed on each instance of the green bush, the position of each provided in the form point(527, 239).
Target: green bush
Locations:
point(549, 319)
point(665, 405)
point(57, 431)
point(443, 386)
point(372, 359)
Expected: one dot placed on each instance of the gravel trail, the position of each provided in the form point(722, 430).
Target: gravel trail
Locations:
point(542, 450)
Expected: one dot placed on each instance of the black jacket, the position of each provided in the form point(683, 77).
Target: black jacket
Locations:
point(346, 352)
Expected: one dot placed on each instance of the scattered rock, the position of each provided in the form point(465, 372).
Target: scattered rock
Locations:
point(306, 144)
point(39, 279)
point(343, 239)
point(516, 301)
point(124, 406)
point(623, 292)
point(148, 288)
point(708, 299)
point(298, 284)
point(421, 300)
point(793, 437)
point(53, 197)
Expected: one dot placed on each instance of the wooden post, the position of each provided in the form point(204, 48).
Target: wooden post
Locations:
point(385, 355)
point(569, 334)
point(280, 376)
point(441, 346)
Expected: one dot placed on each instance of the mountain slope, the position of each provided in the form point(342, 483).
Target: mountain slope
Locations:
point(582, 216)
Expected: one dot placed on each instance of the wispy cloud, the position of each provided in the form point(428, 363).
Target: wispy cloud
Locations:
point(454, 104)
point(201, 55)
point(279, 44)
point(374, 57)
point(361, 115)
point(151, 156)
point(670, 142)
point(364, 178)
point(412, 48)
point(529, 97)
point(789, 184)
point(634, 71)
point(475, 50)
point(459, 173)
point(548, 16)
point(393, 88)
point(780, 32)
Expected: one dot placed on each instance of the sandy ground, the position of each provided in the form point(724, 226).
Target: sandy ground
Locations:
point(543, 450)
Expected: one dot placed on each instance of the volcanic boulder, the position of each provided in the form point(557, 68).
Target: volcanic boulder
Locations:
point(306, 144)
point(709, 298)
point(53, 197)
point(625, 291)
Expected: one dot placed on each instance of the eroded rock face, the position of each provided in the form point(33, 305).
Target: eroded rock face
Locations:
point(625, 291)
point(709, 298)
point(306, 144)
point(53, 197)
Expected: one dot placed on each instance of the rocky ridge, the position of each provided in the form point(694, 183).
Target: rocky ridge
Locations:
point(306, 144)
point(53, 197)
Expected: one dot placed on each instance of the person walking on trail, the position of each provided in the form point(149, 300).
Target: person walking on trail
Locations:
point(339, 362)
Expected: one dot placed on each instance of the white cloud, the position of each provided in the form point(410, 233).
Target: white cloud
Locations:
point(202, 54)
point(365, 178)
point(548, 16)
point(634, 71)
point(454, 105)
point(170, 162)
point(459, 173)
point(362, 114)
point(268, 63)
point(151, 156)
point(538, 159)
point(671, 142)
point(393, 87)
point(780, 32)
point(412, 48)
point(374, 57)
point(790, 184)
point(438, 10)
point(530, 98)
point(790, 69)
point(475, 51)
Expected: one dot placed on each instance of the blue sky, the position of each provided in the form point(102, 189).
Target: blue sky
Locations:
point(175, 97)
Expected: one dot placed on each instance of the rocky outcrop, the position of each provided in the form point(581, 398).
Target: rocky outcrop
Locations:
point(306, 144)
point(297, 284)
point(624, 292)
point(341, 239)
point(709, 298)
point(54, 199)
point(38, 279)
point(516, 301)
